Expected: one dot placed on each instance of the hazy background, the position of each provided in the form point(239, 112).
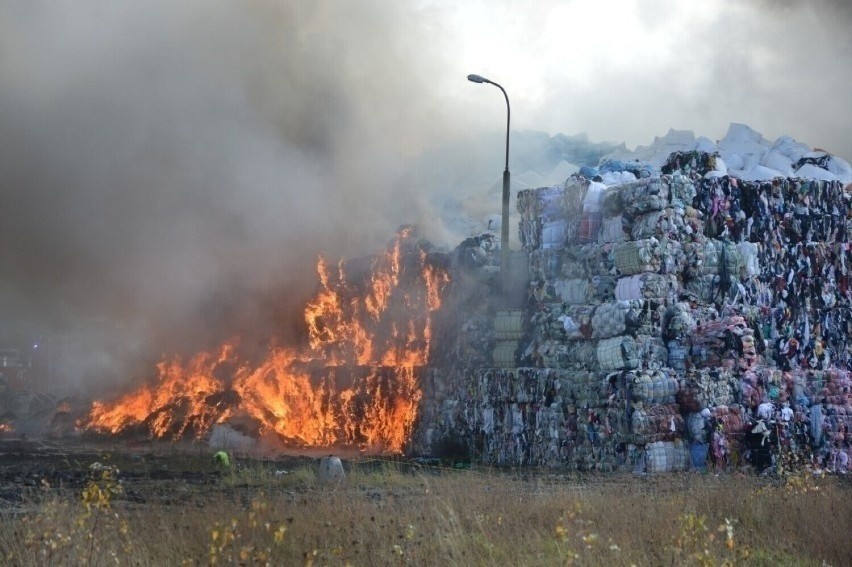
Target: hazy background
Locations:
point(169, 171)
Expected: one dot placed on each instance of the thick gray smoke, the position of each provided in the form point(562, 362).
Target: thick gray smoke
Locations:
point(170, 171)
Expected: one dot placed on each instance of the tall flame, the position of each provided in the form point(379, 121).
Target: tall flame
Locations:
point(354, 382)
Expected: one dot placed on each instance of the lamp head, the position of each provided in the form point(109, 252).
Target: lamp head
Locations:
point(477, 79)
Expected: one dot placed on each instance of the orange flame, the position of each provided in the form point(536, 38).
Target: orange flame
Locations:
point(177, 402)
point(354, 383)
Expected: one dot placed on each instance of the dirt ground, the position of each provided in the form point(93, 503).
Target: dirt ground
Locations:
point(183, 473)
point(165, 473)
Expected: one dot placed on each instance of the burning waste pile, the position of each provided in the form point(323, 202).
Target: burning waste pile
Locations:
point(684, 314)
point(354, 384)
point(674, 311)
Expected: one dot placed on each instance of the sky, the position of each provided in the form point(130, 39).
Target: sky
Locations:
point(175, 168)
point(629, 70)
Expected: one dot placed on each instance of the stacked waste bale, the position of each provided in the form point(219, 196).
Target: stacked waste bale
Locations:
point(508, 331)
point(649, 259)
point(463, 337)
point(793, 238)
point(540, 416)
point(600, 315)
point(578, 327)
point(666, 328)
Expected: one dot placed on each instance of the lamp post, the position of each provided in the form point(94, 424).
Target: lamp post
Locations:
point(504, 225)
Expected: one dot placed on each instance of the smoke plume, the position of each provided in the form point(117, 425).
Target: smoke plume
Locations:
point(170, 171)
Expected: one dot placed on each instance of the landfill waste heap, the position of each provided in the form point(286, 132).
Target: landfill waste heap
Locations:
point(681, 307)
point(676, 317)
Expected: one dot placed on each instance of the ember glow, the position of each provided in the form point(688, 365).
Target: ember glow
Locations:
point(354, 383)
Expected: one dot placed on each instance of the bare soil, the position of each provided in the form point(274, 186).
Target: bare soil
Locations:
point(149, 472)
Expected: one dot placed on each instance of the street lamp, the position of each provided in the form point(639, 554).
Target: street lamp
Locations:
point(504, 226)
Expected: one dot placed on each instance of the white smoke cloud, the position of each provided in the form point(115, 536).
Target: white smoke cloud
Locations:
point(630, 70)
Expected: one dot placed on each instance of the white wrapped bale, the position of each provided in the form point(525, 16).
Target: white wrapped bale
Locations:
point(653, 386)
point(573, 291)
point(647, 285)
point(708, 256)
point(750, 255)
point(544, 213)
point(508, 325)
point(649, 255)
point(621, 317)
point(614, 229)
point(554, 234)
point(618, 353)
point(678, 353)
point(666, 456)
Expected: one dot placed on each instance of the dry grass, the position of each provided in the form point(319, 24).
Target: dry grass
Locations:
point(390, 514)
